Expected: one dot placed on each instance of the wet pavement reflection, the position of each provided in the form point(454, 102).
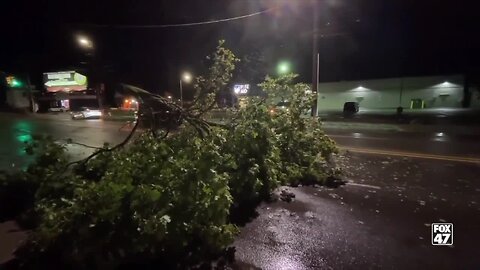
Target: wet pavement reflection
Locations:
point(379, 220)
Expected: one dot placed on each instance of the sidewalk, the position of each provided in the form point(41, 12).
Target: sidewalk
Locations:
point(456, 117)
point(408, 128)
point(11, 237)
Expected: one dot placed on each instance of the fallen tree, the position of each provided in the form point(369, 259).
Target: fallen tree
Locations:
point(164, 196)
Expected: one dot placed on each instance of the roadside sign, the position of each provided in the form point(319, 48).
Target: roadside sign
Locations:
point(241, 89)
point(64, 81)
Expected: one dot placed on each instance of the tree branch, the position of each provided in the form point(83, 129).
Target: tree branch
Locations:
point(84, 145)
point(103, 150)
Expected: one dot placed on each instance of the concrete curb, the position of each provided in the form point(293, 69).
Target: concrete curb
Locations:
point(412, 128)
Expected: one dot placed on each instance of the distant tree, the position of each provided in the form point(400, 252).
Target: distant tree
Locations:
point(253, 66)
point(209, 86)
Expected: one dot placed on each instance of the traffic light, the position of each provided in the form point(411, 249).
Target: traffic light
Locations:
point(9, 80)
point(13, 82)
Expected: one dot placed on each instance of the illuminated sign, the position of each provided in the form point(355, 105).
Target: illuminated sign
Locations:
point(241, 89)
point(64, 81)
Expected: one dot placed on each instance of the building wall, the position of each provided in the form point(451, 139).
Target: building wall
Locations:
point(18, 98)
point(75, 101)
point(436, 92)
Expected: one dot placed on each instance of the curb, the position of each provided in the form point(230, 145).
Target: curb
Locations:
point(411, 128)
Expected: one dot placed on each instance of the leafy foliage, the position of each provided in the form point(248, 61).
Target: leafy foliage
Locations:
point(170, 197)
point(19, 190)
point(216, 80)
point(252, 155)
point(304, 147)
point(153, 200)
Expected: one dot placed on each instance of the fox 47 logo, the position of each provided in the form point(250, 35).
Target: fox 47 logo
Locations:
point(442, 234)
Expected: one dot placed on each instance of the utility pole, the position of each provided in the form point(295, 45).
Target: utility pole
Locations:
point(187, 77)
point(94, 77)
point(30, 93)
point(181, 93)
point(401, 92)
point(315, 57)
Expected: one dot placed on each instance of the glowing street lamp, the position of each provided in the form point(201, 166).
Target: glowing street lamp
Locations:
point(283, 67)
point(186, 77)
point(84, 42)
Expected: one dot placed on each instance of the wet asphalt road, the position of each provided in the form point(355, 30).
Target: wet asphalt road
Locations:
point(436, 140)
point(435, 143)
point(16, 129)
point(379, 220)
point(457, 141)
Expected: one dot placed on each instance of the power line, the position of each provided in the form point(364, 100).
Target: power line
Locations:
point(188, 24)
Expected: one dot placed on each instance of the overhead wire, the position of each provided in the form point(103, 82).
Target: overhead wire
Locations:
point(186, 24)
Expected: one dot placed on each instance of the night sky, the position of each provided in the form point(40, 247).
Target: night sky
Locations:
point(362, 38)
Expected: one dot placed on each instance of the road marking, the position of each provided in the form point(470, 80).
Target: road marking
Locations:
point(411, 154)
point(359, 137)
point(363, 185)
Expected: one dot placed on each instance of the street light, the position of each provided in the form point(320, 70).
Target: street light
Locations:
point(186, 77)
point(84, 42)
point(316, 57)
point(283, 67)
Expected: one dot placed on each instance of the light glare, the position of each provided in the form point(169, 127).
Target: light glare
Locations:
point(84, 42)
point(187, 77)
point(283, 67)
